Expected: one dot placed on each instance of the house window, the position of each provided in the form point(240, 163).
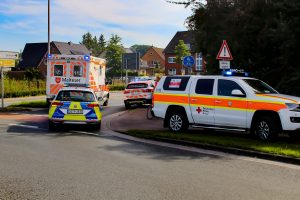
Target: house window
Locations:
point(171, 60)
point(172, 71)
point(188, 46)
point(199, 65)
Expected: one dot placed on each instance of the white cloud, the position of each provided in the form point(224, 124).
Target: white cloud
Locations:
point(135, 21)
point(23, 7)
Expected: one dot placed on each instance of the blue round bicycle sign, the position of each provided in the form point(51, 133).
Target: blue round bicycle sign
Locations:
point(188, 61)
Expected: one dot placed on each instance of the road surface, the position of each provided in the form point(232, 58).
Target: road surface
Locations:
point(72, 164)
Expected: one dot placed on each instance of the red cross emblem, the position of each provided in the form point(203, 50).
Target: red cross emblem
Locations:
point(199, 110)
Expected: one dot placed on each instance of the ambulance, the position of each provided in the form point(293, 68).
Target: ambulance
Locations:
point(225, 102)
point(64, 70)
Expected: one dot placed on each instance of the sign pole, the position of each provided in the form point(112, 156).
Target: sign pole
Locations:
point(2, 86)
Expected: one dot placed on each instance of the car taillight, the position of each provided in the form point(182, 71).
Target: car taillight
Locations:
point(57, 103)
point(126, 91)
point(147, 90)
point(93, 105)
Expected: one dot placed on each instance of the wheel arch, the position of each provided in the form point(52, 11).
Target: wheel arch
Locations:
point(173, 108)
point(270, 113)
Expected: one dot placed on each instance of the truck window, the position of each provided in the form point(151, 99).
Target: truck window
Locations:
point(205, 86)
point(225, 87)
point(58, 70)
point(77, 71)
point(100, 71)
point(176, 83)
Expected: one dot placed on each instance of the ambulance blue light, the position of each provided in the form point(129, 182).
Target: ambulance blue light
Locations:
point(86, 57)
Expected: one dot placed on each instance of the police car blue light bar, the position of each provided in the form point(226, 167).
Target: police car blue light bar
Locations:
point(49, 56)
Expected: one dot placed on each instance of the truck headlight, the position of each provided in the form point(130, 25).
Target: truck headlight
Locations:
point(293, 107)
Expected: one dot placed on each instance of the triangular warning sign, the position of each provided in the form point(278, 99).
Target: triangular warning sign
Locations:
point(224, 53)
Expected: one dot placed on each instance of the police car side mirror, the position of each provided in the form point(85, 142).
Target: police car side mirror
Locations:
point(237, 93)
point(100, 98)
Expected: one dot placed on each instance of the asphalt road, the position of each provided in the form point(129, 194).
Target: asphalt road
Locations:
point(72, 164)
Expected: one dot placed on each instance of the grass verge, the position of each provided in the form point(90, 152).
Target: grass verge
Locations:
point(283, 148)
point(30, 104)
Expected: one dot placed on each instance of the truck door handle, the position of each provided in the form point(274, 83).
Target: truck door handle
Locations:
point(193, 100)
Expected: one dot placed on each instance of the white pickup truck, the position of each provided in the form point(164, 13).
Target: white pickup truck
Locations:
point(225, 102)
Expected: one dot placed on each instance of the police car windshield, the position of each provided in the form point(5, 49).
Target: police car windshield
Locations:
point(260, 87)
point(75, 95)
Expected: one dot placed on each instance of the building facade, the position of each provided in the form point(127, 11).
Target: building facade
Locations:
point(173, 68)
point(35, 54)
point(152, 62)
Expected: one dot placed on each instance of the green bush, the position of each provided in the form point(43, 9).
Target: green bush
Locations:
point(21, 88)
point(116, 87)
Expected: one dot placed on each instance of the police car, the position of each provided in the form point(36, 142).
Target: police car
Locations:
point(138, 92)
point(236, 103)
point(75, 105)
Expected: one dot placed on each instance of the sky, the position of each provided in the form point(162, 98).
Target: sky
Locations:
point(150, 22)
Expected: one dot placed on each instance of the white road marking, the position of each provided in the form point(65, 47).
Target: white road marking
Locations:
point(27, 126)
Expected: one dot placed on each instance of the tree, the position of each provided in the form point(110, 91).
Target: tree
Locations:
point(181, 50)
point(96, 46)
point(114, 53)
point(140, 48)
point(87, 40)
point(263, 35)
point(101, 44)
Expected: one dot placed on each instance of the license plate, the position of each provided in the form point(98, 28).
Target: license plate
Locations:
point(75, 111)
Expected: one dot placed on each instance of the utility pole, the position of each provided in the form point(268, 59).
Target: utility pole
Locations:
point(48, 53)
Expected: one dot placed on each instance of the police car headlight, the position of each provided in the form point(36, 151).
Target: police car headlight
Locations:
point(293, 107)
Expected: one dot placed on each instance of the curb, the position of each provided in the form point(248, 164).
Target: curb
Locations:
point(231, 150)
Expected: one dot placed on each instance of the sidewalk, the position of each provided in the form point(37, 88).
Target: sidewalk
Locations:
point(9, 101)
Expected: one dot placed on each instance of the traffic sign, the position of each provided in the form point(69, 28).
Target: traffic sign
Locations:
point(188, 61)
point(224, 64)
point(224, 52)
point(9, 55)
point(7, 63)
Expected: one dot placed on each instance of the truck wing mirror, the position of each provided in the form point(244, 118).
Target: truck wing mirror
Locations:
point(100, 98)
point(237, 93)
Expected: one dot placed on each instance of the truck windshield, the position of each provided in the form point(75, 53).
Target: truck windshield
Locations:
point(260, 87)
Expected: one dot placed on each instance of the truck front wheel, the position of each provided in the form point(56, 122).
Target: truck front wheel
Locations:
point(265, 128)
point(177, 122)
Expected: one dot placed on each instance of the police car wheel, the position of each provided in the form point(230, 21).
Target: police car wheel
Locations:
point(127, 106)
point(105, 103)
point(52, 126)
point(177, 122)
point(265, 128)
point(97, 127)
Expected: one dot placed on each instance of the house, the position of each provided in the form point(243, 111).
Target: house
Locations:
point(34, 54)
point(173, 68)
point(152, 62)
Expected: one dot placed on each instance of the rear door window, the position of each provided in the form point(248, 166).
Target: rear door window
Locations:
point(137, 86)
point(205, 86)
point(75, 95)
point(176, 83)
